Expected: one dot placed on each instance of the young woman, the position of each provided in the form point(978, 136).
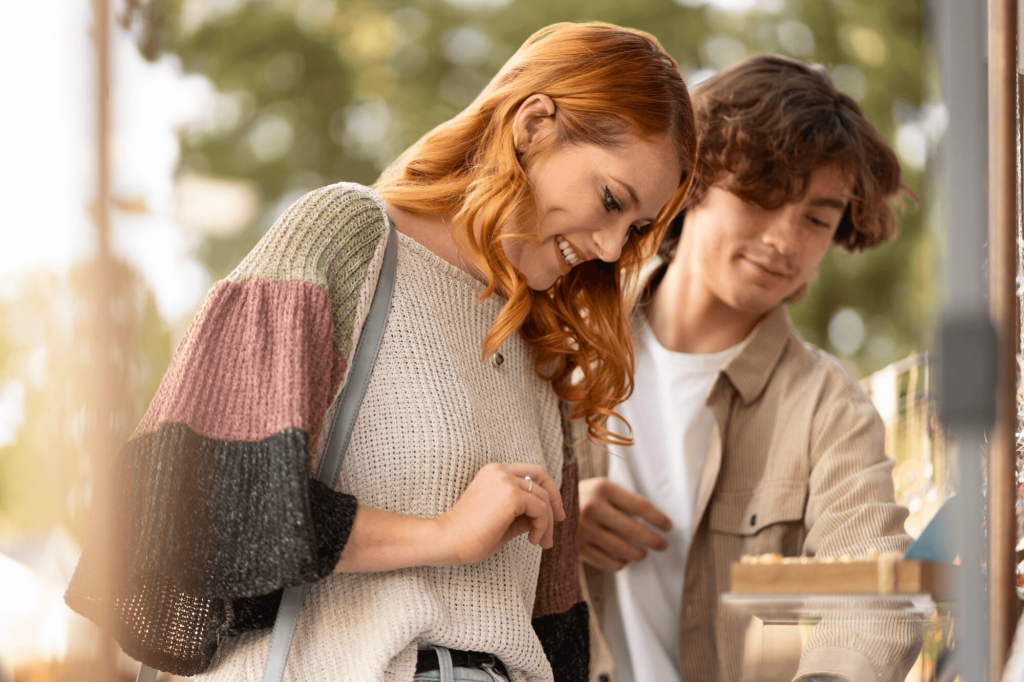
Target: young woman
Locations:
point(519, 222)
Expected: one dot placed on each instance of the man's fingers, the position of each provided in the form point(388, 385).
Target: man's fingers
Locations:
point(612, 544)
point(638, 505)
point(625, 526)
point(595, 556)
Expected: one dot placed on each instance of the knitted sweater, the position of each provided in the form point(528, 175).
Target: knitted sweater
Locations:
point(217, 510)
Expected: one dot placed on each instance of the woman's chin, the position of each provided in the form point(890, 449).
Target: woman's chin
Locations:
point(542, 281)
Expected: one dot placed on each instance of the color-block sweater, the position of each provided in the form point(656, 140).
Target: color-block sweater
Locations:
point(217, 509)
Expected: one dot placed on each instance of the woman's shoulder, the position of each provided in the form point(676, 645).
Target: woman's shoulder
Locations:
point(343, 225)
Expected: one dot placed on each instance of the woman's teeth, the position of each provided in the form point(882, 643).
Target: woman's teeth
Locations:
point(568, 254)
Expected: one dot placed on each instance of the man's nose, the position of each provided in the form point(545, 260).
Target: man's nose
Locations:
point(783, 232)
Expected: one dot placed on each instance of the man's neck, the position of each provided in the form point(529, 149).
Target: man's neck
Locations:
point(686, 318)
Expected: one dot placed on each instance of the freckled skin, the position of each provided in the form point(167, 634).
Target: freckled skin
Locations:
point(582, 193)
point(570, 189)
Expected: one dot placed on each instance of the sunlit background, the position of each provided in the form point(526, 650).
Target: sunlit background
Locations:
point(226, 111)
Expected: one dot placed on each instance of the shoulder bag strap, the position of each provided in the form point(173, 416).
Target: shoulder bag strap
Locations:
point(351, 398)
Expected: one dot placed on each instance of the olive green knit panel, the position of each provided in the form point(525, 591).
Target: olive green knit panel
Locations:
point(332, 237)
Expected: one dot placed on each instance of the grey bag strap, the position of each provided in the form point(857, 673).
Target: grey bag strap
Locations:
point(351, 398)
point(359, 373)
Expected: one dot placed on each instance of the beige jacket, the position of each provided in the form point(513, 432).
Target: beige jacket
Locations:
point(796, 466)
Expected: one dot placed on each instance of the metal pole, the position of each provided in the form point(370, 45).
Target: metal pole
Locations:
point(966, 340)
point(1002, 246)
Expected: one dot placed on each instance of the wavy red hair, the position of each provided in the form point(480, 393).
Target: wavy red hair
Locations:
point(606, 82)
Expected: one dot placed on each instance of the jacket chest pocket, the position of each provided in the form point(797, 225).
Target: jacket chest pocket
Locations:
point(768, 519)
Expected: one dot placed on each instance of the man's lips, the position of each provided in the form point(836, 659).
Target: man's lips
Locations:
point(768, 268)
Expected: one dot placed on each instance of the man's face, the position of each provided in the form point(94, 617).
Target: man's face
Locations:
point(751, 259)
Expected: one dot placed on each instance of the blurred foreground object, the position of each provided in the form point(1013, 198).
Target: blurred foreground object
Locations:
point(40, 637)
point(903, 394)
point(776, 631)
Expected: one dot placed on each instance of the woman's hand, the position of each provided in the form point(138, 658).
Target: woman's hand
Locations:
point(612, 534)
point(498, 505)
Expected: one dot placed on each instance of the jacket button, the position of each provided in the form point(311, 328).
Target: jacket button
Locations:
point(753, 520)
point(498, 359)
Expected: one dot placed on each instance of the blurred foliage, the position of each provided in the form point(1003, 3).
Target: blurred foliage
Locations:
point(317, 91)
point(50, 348)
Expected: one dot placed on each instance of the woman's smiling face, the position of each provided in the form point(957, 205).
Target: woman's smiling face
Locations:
point(590, 198)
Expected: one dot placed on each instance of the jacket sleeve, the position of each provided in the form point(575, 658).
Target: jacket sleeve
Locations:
point(215, 509)
point(560, 615)
point(851, 508)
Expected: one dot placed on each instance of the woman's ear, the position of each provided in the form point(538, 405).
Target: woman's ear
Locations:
point(534, 121)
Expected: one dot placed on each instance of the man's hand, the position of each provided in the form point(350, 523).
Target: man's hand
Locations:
point(612, 535)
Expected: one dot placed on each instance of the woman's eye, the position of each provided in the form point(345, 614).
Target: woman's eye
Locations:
point(610, 204)
point(637, 230)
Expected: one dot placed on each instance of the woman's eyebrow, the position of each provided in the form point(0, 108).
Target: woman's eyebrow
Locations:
point(632, 194)
point(629, 188)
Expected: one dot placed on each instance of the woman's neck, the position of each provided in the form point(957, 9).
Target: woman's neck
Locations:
point(432, 232)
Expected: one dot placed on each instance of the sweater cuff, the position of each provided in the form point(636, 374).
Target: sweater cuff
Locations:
point(836, 661)
point(333, 515)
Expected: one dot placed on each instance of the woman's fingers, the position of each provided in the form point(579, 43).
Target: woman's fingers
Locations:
point(536, 507)
point(541, 478)
point(499, 504)
point(531, 487)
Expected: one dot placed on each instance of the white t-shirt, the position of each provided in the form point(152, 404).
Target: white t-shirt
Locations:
point(671, 428)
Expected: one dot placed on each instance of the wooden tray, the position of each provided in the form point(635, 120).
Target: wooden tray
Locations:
point(855, 577)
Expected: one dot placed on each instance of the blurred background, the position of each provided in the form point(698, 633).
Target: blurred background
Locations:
point(223, 112)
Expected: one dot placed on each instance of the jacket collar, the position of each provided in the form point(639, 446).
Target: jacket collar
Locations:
point(750, 368)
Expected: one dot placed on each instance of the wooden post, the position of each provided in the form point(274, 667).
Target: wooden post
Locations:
point(100, 410)
point(1002, 259)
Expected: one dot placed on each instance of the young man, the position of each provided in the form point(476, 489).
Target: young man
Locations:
point(747, 439)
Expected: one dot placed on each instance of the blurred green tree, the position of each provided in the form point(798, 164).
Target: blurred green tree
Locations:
point(318, 91)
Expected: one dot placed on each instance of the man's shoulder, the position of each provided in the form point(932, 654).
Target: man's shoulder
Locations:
point(809, 371)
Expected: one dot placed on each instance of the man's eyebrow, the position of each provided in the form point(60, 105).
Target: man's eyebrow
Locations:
point(829, 202)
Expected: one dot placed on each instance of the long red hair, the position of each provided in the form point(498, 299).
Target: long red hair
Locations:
point(605, 81)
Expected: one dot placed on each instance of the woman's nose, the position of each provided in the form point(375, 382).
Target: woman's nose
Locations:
point(608, 242)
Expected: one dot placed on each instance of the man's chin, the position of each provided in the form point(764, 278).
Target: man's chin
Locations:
point(755, 305)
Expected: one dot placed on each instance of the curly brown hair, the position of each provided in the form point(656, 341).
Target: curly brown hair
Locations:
point(768, 122)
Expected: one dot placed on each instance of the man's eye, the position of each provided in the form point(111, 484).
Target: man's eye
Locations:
point(610, 204)
point(817, 222)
